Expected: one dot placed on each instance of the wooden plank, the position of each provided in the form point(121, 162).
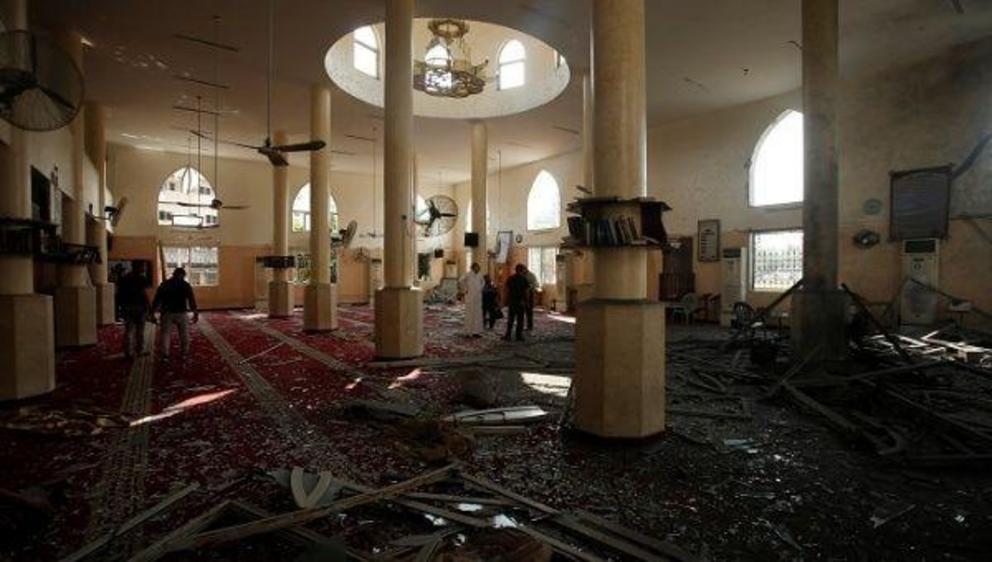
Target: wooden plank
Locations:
point(423, 507)
point(300, 517)
point(793, 371)
point(668, 549)
point(560, 546)
point(571, 523)
point(300, 534)
point(132, 523)
point(160, 547)
point(839, 421)
point(448, 498)
point(496, 488)
point(874, 321)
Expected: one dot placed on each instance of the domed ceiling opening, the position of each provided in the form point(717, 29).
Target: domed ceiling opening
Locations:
point(463, 69)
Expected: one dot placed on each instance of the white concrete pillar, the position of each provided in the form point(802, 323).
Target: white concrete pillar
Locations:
point(27, 335)
point(320, 306)
point(480, 193)
point(399, 305)
point(818, 309)
point(588, 125)
point(75, 297)
point(96, 231)
point(280, 290)
point(620, 337)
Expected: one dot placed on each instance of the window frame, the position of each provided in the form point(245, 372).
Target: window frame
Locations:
point(752, 256)
point(375, 50)
point(194, 273)
point(201, 194)
point(544, 277)
point(769, 129)
point(530, 192)
point(501, 64)
point(333, 219)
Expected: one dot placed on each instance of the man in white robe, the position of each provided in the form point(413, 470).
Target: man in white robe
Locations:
point(470, 286)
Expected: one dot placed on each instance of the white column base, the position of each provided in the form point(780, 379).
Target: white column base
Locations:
point(280, 299)
point(320, 307)
point(75, 316)
point(27, 346)
point(399, 320)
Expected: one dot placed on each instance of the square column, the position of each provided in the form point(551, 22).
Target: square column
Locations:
point(320, 296)
point(96, 232)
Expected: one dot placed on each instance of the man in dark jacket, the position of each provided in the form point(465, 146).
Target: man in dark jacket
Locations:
point(174, 298)
point(490, 303)
point(132, 299)
point(518, 293)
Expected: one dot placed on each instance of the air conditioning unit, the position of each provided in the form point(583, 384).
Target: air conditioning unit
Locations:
point(733, 277)
point(920, 261)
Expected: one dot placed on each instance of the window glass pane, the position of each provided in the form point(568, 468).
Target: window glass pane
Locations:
point(366, 36)
point(366, 60)
point(512, 51)
point(777, 169)
point(534, 261)
point(511, 75)
point(548, 266)
point(544, 203)
point(184, 199)
point(776, 259)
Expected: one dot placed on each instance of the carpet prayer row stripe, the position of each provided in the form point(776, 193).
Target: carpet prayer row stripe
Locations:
point(291, 424)
point(121, 489)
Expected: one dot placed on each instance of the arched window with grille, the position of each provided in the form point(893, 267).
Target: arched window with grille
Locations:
point(365, 49)
point(184, 200)
point(544, 203)
point(512, 65)
point(301, 211)
point(777, 164)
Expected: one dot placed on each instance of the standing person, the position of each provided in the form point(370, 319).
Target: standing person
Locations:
point(534, 288)
point(518, 290)
point(470, 289)
point(174, 298)
point(490, 303)
point(132, 299)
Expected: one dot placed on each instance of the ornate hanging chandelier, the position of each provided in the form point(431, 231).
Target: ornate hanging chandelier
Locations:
point(447, 69)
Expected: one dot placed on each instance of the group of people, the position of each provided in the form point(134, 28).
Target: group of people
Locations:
point(174, 300)
point(482, 306)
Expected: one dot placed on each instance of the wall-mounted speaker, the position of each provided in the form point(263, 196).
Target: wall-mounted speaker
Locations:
point(471, 239)
point(438, 252)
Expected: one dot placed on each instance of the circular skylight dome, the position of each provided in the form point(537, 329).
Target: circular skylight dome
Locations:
point(519, 71)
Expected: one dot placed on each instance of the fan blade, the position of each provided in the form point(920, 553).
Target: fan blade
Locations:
point(449, 215)
point(235, 207)
point(193, 205)
point(205, 136)
point(301, 147)
point(56, 97)
point(276, 157)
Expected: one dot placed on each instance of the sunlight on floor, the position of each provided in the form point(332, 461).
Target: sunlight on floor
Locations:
point(184, 405)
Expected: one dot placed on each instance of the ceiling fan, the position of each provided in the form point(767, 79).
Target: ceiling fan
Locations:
point(41, 88)
point(438, 217)
point(215, 204)
point(275, 153)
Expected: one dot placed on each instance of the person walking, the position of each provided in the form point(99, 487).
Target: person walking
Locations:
point(490, 303)
point(173, 300)
point(470, 289)
point(132, 298)
point(531, 296)
point(518, 291)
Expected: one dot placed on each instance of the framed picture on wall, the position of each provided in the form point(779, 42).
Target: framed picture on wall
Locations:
point(504, 239)
point(708, 234)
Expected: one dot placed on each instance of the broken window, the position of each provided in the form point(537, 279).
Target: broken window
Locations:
point(776, 259)
point(777, 164)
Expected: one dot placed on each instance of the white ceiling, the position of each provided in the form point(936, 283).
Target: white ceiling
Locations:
point(702, 56)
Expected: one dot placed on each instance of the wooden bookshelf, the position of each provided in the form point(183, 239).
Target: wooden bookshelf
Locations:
point(614, 222)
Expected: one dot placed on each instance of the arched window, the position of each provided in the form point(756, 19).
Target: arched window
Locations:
point(366, 51)
point(777, 164)
point(511, 65)
point(185, 200)
point(301, 211)
point(544, 203)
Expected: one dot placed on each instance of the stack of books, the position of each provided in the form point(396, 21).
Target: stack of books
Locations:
point(619, 231)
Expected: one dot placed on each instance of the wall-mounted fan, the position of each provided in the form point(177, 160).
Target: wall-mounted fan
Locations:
point(438, 217)
point(41, 88)
point(113, 213)
point(344, 237)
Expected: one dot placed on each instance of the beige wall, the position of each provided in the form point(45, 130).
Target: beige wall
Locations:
point(930, 113)
point(246, 234)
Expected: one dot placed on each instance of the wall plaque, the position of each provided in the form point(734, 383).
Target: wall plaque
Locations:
point(709, 240)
